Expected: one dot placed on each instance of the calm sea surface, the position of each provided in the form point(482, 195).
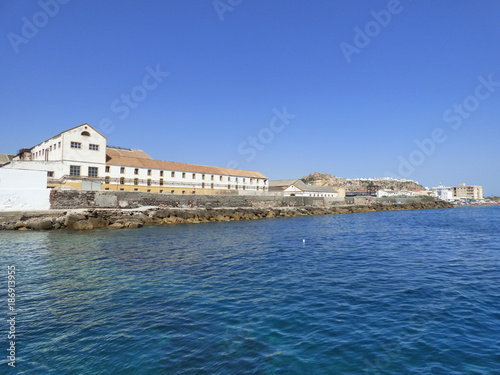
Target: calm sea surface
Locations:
point(405, 292)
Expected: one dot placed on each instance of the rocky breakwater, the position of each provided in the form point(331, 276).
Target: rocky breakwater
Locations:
point(119, 219)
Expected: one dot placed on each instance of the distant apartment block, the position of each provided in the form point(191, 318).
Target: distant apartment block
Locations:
point(468, 192)
point(79, 158)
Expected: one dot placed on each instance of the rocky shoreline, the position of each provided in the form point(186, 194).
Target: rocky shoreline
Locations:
point(136, 218)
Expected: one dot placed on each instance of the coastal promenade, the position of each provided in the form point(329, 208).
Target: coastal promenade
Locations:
point(87, 219)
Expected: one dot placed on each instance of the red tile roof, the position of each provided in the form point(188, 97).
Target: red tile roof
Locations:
point(138, 158)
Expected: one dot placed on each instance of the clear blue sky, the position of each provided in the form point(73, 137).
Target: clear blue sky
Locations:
point(360, 82)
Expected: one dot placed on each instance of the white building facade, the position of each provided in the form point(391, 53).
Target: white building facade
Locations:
point(79, 158)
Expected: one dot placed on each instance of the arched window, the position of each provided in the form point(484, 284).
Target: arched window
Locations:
point(86, 133)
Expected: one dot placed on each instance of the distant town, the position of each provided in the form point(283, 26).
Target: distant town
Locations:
point(80, 159)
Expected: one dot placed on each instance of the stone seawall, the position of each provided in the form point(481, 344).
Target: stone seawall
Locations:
point(69, 199)
point(136, 218)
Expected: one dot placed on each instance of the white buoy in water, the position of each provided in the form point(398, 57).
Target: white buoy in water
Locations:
point(303, 241)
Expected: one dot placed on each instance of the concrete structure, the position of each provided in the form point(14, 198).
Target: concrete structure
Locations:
point(22, 190)
point(297, 188)
point(79, 158)
point(464, 191)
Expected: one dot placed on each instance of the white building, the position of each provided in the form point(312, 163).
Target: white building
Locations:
point(297, 188)
point(79, 158)
point(443, 192)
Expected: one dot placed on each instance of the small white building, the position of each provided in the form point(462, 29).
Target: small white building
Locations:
point(22, 190)
point(297, 188)
point(443, 192)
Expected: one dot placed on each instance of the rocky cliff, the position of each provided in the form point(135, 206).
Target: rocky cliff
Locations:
point(360, 184)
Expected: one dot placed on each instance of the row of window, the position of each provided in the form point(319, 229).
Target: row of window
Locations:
point(78, 145)
point(161, 191)
point(183, 174)
point(75, 170)
point(47, 149)
point(149, 182)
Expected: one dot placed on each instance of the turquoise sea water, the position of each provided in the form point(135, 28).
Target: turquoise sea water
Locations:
point(402, 292)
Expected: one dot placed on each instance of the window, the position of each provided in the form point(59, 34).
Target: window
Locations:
point(136, 189)
point(161, 191)
point(184, 192)
point(193, 192)
point(93, 171)
point(93, 147)
point(149, 182)
point(229, 178)
point(50, 148)
point(229, 186)
point(106, 188)
point(50, 173)
point(122, 189)
point(212, 185)
point(212, 178)
point(172, 191)
point(172, 174)
point(183, 174)
point(59, 144)
point(122, 180)
point(74, 170)
point(76, 144)
point(149, 172)
point(220, 178)
point(136, 181)
point(136, 171)
point(161, 173)
point(203, 185)
point(149, 190)
point(106, 180)
point(107, 168)
point(202, 176)
point(194, 176)
point(122, 169)
point(85, 134)
point(161, 181)
point(243, 180)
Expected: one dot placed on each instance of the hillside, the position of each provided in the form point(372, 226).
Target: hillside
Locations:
point(360, 184)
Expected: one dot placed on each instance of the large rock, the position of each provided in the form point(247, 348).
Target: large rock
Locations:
point(72, 218)
point(83, 225)
point(40, 223)
point(116, 226)
point(98, 222)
